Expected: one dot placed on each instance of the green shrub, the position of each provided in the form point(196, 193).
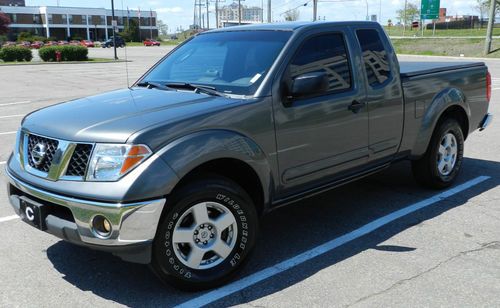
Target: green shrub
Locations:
point(25, 36)
point(15, 53)
point(68, 53)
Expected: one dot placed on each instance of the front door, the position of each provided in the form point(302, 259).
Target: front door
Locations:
point(321, 135)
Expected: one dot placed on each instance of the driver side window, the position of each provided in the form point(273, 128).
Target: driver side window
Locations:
point(324, 53)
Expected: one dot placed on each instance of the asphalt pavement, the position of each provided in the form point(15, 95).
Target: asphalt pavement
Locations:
point(379, 242)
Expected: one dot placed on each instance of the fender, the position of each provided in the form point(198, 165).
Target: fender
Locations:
point(190, 151)
point(441, 101)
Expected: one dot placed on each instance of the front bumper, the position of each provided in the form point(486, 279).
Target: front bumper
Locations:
point(133, 224)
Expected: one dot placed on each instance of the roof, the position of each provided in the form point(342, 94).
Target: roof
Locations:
point(289, 26)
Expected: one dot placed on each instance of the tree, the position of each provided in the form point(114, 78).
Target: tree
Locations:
point(483, 7)
point(292, 15)
point(411, 14)
point(4, 23)
point(131, 31)
point(162, 28)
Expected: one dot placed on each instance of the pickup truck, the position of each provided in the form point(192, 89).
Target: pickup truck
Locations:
point(176, 170)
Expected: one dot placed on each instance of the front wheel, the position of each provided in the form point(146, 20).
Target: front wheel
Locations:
point(206, 236)
point(440, 165)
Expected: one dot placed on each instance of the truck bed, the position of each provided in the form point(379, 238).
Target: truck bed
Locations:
point(412, 69)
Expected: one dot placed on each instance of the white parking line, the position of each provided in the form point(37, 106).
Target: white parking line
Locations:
point(8, 218)
point(16, 103)
point(261, 275)
point(12, 116)
point(3, 162)
point(8, 133)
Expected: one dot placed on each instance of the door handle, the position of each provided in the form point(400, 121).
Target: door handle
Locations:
point(355, 106)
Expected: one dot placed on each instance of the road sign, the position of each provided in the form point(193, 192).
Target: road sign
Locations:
point(429, 9)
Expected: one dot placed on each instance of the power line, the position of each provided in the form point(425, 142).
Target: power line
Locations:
point(302, 5)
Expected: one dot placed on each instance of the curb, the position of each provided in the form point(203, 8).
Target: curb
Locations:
point(62, 63)
point(450, 57)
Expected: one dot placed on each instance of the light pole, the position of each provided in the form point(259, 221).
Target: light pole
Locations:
point(367, 16)
point(239, 12)
point(113, 23)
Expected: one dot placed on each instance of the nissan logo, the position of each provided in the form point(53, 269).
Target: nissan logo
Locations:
point(38, 154)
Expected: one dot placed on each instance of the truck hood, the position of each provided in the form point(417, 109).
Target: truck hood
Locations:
point(114, 116)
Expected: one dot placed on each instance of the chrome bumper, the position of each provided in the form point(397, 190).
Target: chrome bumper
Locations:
point(486, 121)
point(132, 223)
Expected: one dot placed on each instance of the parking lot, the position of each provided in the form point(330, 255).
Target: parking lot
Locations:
point(439, 250)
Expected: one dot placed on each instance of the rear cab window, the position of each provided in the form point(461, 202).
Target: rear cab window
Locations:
point(377, 66)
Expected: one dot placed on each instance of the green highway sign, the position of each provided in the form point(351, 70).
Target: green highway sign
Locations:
point(429, 9)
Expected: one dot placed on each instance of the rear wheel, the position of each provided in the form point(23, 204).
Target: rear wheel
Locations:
point(441, 164)
point(206, 236)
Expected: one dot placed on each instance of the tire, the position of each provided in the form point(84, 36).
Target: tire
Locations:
point(441, 164)
point(181, 238)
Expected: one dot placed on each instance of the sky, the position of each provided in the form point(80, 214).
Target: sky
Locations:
point(180, 13)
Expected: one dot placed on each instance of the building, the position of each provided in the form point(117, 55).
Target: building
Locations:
point(12, 3)
point(229, 14)
point(62, 23)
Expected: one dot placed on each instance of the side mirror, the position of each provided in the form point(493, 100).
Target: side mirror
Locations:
point(309, 84)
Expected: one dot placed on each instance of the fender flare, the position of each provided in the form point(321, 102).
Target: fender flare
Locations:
point(190, 151)
point(445, 99)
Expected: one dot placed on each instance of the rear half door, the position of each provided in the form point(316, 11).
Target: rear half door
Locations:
point(384, 94)
point(319, 135)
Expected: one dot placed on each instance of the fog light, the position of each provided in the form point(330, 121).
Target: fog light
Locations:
point(101, 226)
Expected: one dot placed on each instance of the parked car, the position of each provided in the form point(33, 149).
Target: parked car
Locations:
point(51, 43)
point(25, 44)
point(149, 42)
point(109, 42)
point(37, 44)
point(87, 43)
point(62, 43)
point(9, 44)
point(176, 170)
point(74, 43)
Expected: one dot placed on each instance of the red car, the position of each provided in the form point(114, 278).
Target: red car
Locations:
point(37, 45)
point(87, 43)
point(62, 43)
point(149, 42)
point(51, 43)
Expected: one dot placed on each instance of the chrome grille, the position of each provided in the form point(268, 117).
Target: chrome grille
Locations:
point(79, 160)
point(50, 148)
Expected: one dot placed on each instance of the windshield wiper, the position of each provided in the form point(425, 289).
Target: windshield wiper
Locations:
point(197, 88)
point(152, 84)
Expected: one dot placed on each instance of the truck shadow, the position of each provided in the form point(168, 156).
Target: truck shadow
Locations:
point(285, 233)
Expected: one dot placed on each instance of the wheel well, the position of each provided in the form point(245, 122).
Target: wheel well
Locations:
point(237, 171)
point(458, 113)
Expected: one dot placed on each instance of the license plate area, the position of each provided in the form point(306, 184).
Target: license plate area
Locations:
point(34, 213)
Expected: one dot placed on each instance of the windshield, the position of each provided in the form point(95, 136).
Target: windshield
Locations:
point(233, 62)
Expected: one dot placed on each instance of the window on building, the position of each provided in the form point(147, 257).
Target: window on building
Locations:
point(325, 53)
point(13, 18)
point(70, 17)
point(50, 17)
point(375, 56)
point(36, 19)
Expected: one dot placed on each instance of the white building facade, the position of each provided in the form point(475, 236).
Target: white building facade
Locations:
point(69, 22)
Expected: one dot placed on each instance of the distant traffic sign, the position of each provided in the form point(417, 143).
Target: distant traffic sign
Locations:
point(429, 9)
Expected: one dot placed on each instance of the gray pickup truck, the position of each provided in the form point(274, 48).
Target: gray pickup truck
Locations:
point(176, 170)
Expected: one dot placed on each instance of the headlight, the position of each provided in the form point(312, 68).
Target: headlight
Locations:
point(110, 162)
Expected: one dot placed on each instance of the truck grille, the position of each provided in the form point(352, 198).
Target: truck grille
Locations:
point(41, 152)
point(79, 161)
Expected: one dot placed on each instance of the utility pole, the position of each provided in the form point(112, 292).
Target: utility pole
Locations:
point(113, 22)
point(216, 13)
point(367, 14)
point(239, 12)
point(315, 10)
point(404, 17)
point(489, 30)
point(269, 17)
point(208, 17)
point(151, 23)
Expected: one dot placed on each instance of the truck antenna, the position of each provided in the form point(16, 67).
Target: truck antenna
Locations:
point(126, 58)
